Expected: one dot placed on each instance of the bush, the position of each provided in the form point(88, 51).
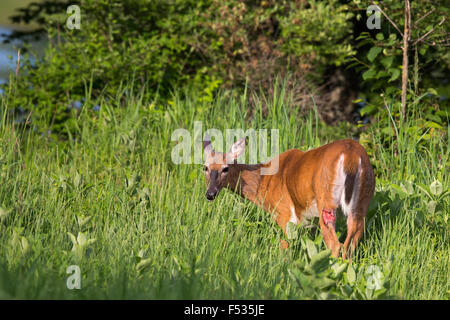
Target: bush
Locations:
point(380, 59)
point(166, 44)
point(207, 44)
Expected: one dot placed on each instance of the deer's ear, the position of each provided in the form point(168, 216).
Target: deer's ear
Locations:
point(237, 148)
point(207, 146)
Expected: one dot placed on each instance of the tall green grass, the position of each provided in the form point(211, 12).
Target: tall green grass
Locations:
point(155, 236)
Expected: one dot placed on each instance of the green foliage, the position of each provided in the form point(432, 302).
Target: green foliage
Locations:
point(163, 45)
point(380, 57)
point(318, 33)
point(422, 131)
point(113, 46)
point(322, 277)
point(204, 45)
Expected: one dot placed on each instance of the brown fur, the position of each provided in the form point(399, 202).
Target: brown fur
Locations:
point(302, 178)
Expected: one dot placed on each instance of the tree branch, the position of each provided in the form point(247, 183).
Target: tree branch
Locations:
point(424, 16)
point(389, 19)
point(429, 32)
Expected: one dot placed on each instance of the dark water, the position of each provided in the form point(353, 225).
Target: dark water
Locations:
point(8, 51)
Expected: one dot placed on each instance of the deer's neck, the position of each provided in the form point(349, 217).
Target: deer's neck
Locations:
point(245, 180)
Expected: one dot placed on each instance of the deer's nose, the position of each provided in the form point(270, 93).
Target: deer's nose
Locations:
point(211, 194)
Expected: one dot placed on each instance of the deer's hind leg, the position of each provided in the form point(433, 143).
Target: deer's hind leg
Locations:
point(355, 230)
point(356, 214)
point(327, 221)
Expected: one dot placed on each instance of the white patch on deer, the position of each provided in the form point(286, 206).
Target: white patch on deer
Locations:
point(293, 218)
point(338, 191)
point(351, 206)
point(311, 211)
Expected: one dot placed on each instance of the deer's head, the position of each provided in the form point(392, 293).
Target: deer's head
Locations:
point(219, 166)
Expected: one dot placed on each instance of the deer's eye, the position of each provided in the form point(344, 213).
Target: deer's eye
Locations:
point(205, 168)
point(225, 170)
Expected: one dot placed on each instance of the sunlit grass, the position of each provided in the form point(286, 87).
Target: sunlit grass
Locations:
point(154, 235)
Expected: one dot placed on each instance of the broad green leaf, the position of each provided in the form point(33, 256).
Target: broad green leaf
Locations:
point(72, 238)
point(83, 221)
point(369, 74)
point(400, 190)
point(431, 207)
point(323, 283)
point(374, 277)
point(381, 74)
point(143, 264)
point(387, 61)
point(392, 36)
point(368, 293)
point(424, 188)
point(373, 53)
point(4, 213)
point(433, 91)
point(431, 124)
point(407, 187)
point(324, 295)
point(351, 275)
point(346, 290)
point(339, 269)
point(310, 248)
point(395, 74)
point(379, 293)
point(320, 262)
point(368, 109)
point(302, 279)
point(25, 245)
point(291, 231)
point(379, 36)
point(436, 188)
point(81, 239)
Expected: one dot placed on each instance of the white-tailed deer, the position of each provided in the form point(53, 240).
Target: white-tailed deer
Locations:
point(335, 175)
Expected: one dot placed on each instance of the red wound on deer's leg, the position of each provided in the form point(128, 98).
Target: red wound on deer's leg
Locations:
point(284, 244)
point(329, 217)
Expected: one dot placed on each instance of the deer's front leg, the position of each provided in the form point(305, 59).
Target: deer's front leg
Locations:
point(286, 213)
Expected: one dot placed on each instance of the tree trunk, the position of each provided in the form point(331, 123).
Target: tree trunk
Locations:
point(406, 37)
